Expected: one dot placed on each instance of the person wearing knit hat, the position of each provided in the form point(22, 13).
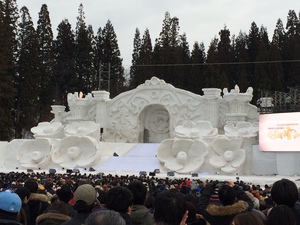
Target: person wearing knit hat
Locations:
point(84, 201)
point(10, 206)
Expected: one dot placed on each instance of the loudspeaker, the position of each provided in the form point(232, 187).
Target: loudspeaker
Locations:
point(75, 171)
point(52, 171)
point(115, 154)
point(29, 170)
point(194, 174)
point(92, 169)
point(152, 174)
point(143, 173)
point(171, 173)
point(156, 171)
point(69, 170)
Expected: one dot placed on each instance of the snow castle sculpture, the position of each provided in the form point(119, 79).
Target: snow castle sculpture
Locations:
point(210, 133)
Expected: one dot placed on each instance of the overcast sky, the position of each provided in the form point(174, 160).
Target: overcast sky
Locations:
point(201, 20)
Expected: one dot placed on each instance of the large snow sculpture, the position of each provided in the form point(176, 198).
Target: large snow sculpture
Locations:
point(190, 128)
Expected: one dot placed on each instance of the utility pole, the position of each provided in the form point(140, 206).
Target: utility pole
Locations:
point(104, 78)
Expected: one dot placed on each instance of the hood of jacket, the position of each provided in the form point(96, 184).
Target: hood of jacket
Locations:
point(220, 210)
point(52, 216)
point(138, 212)
point(38, 197)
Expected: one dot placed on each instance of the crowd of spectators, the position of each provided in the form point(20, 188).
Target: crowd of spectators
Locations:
point(35, 198)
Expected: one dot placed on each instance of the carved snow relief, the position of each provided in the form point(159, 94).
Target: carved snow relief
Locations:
point(84, 128)
point(49, 130)
point(201, 128)
point(182, 156)
point(241, 129)
point(228, 155)
point(75, 151)
point(35, 154)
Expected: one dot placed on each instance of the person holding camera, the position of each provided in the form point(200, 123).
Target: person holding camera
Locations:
point(232, 201)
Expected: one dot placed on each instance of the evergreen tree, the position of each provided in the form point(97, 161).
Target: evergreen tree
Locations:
point(292, 25)
point(94, 77)
point(241, 57)
point(196, 77)
point(276, 70)
point(146, 57)
point(142, 68)
point(261, 76)
point(226, 56)
point(83, 54)
point(111, 59)
point(28, 79)
point(166, 50)
point(277, 54)
point(278, 35)
point(64, 78)
point(8, 20)
point(253, 46)
point(184, 59)
point(134, 70)
point(46, 55)
point(292, 49)
point(214, 76)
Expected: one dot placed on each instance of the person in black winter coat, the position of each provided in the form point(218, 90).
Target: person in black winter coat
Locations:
point(24, 195)
point(37, 203)
point(233, 200)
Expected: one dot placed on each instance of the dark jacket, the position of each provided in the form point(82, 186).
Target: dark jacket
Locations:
point(78, 219)
point(141, 215)
point(8, 218)
point(217, 214)
point(51, 218)
point(296, 211)
point(37, 204)
point(71, 211)
point(9, 222)
point(127, 218)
